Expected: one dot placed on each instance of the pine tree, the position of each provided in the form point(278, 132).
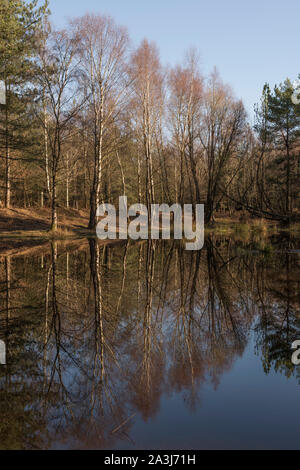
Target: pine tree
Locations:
point(284, 119)
point(19, 24)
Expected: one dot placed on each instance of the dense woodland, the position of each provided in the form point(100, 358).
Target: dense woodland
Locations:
point(88, 118)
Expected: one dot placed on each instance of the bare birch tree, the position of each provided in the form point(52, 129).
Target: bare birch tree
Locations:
point(147, 102)
point(103, 48)
point(59, 90)
point(223, 124)
point(186, 92)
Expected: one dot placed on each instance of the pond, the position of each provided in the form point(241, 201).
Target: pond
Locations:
point(148, 346)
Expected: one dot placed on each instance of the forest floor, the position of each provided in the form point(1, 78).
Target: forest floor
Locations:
point(34, 223)
point(28, 230)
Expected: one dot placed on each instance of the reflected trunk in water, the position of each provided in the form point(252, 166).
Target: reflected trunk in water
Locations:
point(106, 343)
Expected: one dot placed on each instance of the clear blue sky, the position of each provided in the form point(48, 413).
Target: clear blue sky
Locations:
point(250, 42)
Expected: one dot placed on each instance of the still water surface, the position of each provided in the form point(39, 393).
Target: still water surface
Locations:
point(147, 346)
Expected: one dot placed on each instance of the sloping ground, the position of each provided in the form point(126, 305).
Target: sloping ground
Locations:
point(38, 220)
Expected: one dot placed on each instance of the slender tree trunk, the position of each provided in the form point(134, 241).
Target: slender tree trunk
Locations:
point(194, 166)
point(96, 189)
point(140, 179)
point(8, 287)
point(54, 205)
point(48, 185)
point(95, 197)
point(122, 173)
point(7, 157)
point(67, 183)
point(85, 180)
point(288, 182)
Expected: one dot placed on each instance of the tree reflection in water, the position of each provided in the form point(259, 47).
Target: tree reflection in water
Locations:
point(96, 335)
